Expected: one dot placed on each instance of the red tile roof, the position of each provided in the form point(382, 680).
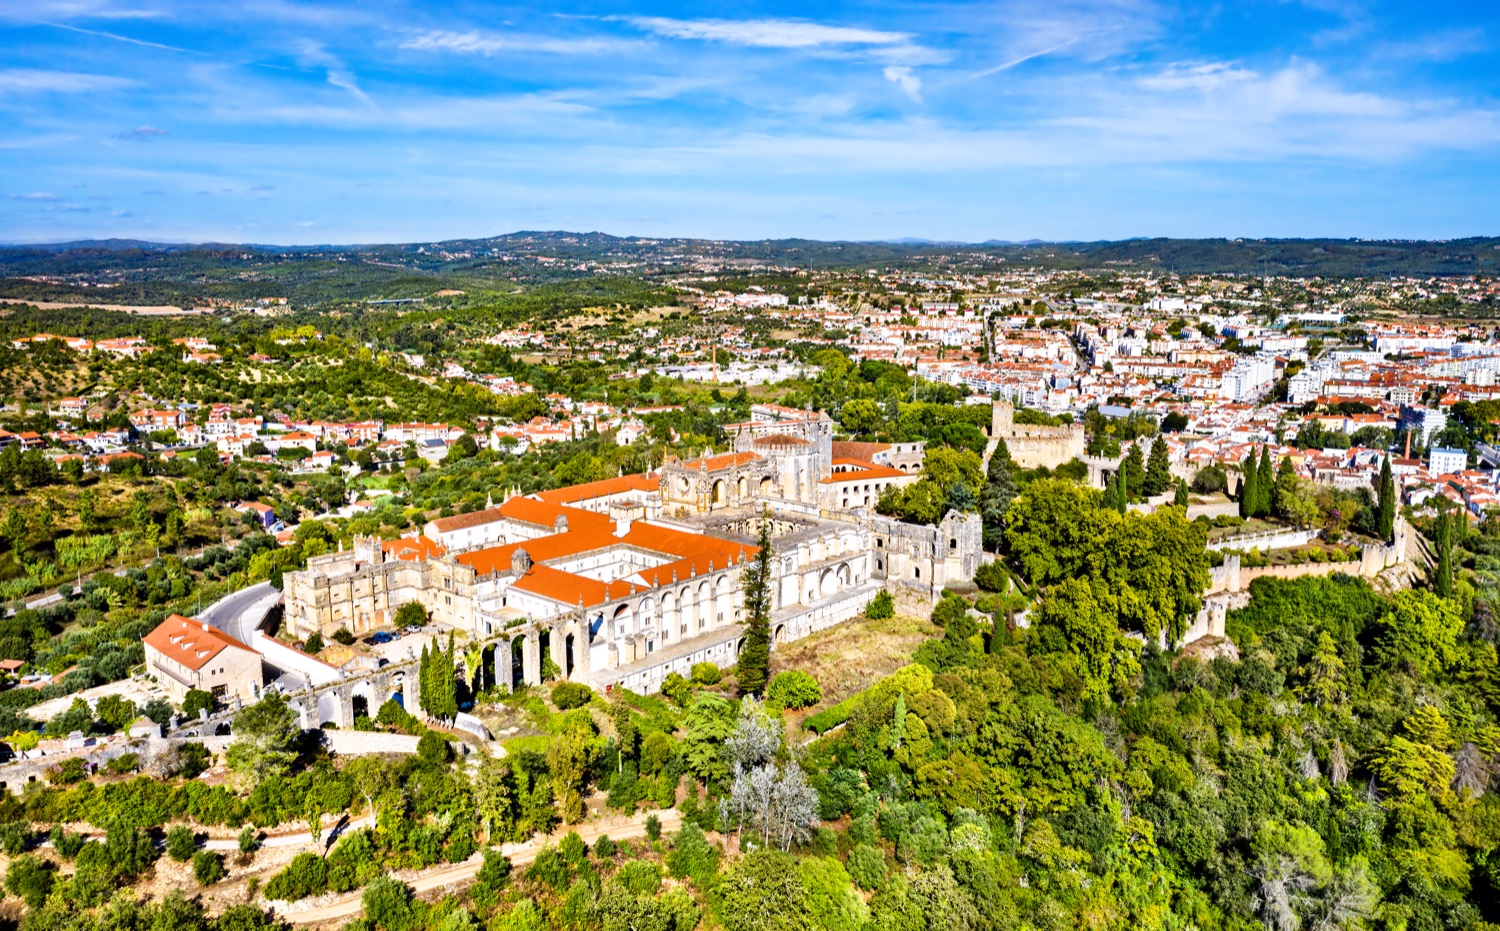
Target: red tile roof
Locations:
point(191, 643)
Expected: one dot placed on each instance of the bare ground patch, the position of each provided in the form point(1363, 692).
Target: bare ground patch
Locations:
point(851, 656)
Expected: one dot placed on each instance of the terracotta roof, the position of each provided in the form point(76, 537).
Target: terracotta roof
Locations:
point(715, 463)
point(571, 589)
point(861, 472)
point(471, 519)
point(412, 549)
point(851, 450)
point(190, 643)
point(650, 481)
point(782, 440)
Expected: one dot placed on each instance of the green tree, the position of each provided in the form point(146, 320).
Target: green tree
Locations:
point(30, 878)
point(1385, 524)
point(1419, 632)
point(861, 416)
point(1158, 476)
point(1133, 472)
point(755, 584)
point(197, 701)
point(764, 892)
point(265, 739)
point(1265, 482)
point(1249, 487)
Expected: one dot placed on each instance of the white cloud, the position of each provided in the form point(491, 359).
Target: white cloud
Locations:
point(313, 54)
point(902, 77)
point(29, 80)
point(766, 33)
point(474, 42)
point(35, 195)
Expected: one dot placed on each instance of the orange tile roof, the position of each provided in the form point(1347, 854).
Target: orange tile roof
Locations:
point(471, 519)
point(412, 549)
point(723, 461)
point(191, 643)
point(571, 589)
point(861, 472)
point(649, 481)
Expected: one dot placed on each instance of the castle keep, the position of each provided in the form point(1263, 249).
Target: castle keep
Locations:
point(1033, 447)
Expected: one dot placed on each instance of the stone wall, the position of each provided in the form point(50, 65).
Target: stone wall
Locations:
point(1034, 447)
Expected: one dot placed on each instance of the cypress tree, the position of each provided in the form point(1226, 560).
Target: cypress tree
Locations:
point(1265, 482)
point(1111, 492)
point(1249, 497)
point(753, 667)
point(1387, 520)
point(1122, 493)
point(1442, 583)
point(1158, 470)
point(424, 681)
point(1133, 471)
point(1181, 497)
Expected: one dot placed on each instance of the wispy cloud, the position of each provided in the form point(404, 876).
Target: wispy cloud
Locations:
point(766, 33)
point(36, 195)
point(902, 77)
point(474, 42)
point(313, 54)
point(143, 134)
point(126, 39)
point(30, 80)
point(1030, 56)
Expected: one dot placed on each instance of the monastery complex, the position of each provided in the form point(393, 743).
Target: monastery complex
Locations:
point(625, 580)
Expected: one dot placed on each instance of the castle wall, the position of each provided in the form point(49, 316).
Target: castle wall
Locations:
point(1033, 447)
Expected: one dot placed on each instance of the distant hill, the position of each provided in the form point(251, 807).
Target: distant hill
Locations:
point(150, 272)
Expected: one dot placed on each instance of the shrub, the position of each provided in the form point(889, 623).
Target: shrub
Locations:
point(569, 695)
point(991, 577)
point(193, 760)
point(829, 718)
point(181, 844)
point(794, 689)
point(66, 843)
point(867, 867)
point(208, 867)
point(640, 877)
point(692, 855)
point(30, 879)
point(343, 636)
point(69, 771)
point(604, 848)
point(880, 607)
point(411, 614)
point(706, 673)
point(306, 875)
point(657, 751)
point(314, 643)
point(124, 763)
point(653, 827)
point(15, 837)
point(197, 701)
point(675, 687)
point(248, 840)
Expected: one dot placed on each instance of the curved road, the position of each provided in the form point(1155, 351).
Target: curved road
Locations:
point(351, 905)
point(238, 614)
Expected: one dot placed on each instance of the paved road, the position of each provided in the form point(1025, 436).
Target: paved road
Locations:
point(238, 614)
point(351, 906)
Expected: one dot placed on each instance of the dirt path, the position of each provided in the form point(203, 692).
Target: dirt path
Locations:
point(350, 906)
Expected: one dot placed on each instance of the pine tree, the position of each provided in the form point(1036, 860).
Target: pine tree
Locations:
point(755, 583)
point(1265, 482)
point(1249, 497)
point(1386, 523)
point(1158, 470)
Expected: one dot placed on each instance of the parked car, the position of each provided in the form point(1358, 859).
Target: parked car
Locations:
point(380, 636)
point(412, 629)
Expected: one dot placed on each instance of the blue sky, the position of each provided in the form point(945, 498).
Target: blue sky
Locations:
point(380, 121)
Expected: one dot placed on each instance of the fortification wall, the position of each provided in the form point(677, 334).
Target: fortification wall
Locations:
point(1033, 447)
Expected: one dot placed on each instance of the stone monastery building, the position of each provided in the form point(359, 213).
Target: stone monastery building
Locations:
point(625, 580)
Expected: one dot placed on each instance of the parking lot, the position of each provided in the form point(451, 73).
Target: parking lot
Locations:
point(406, 646)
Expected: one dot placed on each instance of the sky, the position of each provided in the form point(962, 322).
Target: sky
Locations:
point(362, 121)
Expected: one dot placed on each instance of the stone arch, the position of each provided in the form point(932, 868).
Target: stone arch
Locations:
point(569, 646)
point(767, 487)
point(827, 583)
point(517, 661)
point(779, 636)
point(720, 492)
point(844, 576)
point(742, 487)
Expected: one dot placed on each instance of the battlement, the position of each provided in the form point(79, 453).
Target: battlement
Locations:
point(1033, 446)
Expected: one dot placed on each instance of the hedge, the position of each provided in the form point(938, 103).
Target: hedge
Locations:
point(829, 718)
